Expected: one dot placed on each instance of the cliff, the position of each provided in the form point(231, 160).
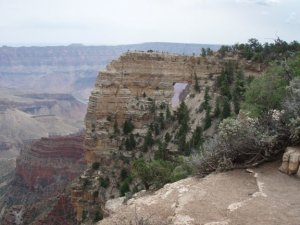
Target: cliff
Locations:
point(135, 88)
point(50, 161)
point(31, 116)
point(120, 93)
point(39, 191)
point(69, 69)
point(126, 88)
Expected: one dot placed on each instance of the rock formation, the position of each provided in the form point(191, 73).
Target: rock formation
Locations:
point(69, 69)
point(39, 192)
point(50, 161)
point(31, 116)
point(263, 196)
point(128, 90)
point(120, 92)
point(291, 161)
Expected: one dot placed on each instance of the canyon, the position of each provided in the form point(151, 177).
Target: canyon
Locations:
point(128, 90)
point(39, 191)
point(76, 178)
point(25, 116)
point(69, 69)
point(37, 89)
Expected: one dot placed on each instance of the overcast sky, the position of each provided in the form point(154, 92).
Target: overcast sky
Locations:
point(39, 22)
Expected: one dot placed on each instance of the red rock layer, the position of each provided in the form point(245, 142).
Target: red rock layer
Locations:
point(49, 162)
point(61, 213)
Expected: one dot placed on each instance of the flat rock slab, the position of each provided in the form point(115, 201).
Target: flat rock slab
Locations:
point(262, 196)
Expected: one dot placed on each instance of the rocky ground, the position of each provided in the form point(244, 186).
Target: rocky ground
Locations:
point(261, 196)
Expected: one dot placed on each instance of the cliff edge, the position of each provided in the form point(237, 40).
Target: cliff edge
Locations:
point(262, 196)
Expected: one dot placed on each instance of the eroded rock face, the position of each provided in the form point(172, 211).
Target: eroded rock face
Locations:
point(127, 88)
point(40, 190)
point(50, 160)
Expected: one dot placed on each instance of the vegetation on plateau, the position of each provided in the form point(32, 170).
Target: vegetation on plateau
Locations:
point(269, 120)
point(249, 121)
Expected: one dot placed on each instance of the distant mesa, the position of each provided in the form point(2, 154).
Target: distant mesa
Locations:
point(76, 45)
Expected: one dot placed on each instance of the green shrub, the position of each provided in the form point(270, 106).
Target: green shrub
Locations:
point(162, 151)
point(148, 140)
point(265, 93)
point(291, 114)
point(239, 142)
point(197, 138)
point(156, 172)
point(179, 173)
point(124, 174)
point(104, 182)
point(124, 188)
point(130, 143)
point(98, 216)
point(168, 137)
point(128, 127)
point(95, 165)
point(226, 111)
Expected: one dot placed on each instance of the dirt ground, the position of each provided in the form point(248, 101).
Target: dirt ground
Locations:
point(262, 196)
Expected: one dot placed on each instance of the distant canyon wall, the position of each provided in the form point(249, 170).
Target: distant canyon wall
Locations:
point(69, 69)
point(50, 161)
point(40, 192)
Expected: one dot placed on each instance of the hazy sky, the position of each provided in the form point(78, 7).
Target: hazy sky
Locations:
point(38, 22)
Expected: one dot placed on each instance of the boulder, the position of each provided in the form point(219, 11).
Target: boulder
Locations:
point(290, 161)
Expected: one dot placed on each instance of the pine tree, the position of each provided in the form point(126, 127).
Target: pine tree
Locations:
point(238, 91)
point(196, 87)
point(127, 144)
point(207, 120)
point(128, 127)
point(206, 99)
point(132, 141)
point(156, 129)
point(148, 140)
point(168, 113)
point(203, 52)
point(197, 138)
point(217, 111)
point(209, 51)
point(183, 120)
point(183, 113)
point(162, 151)
point(161, 121)
point(226, 112)
point(167, 137)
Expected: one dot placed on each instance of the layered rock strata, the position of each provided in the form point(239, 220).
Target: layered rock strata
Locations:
point(50, 160)
point(126, 89)
point(40, 191)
